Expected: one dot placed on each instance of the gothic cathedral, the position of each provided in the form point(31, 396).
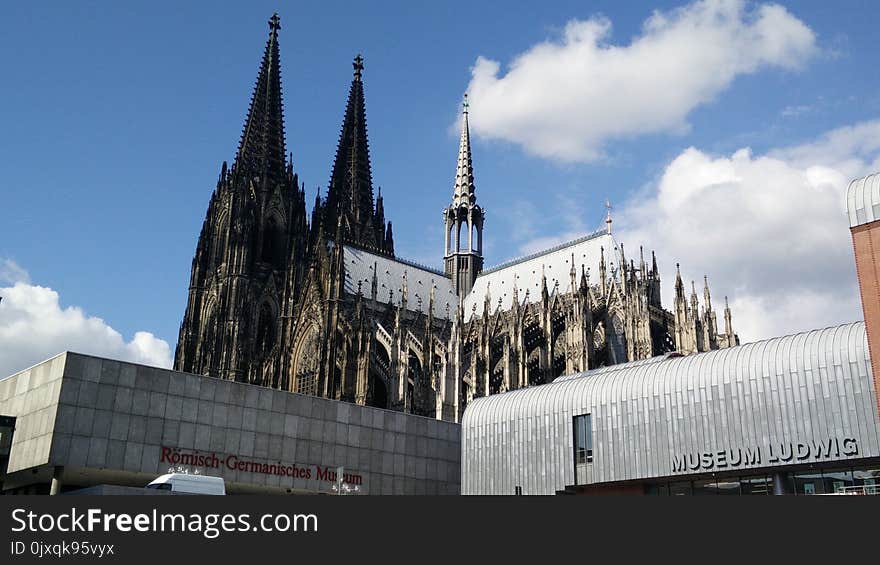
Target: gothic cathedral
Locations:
point(319, 304)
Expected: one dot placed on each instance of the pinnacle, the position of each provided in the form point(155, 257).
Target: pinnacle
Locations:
point(463, 190)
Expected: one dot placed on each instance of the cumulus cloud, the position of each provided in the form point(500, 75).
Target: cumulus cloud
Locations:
point(34, 326)
point(564, 98)
point(770, 230)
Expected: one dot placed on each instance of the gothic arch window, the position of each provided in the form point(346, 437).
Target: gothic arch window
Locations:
point(272, 252)
point(219, 240)
point(414, 375)
point(208, 337)
point(496, 364)
point(307, 359)
point(616, 339)
point(378, 391)
point(266, 326)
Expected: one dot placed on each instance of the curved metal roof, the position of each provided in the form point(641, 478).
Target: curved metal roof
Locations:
point(802, 387)
point(863, 200)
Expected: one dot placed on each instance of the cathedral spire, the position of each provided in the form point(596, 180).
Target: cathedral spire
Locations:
point(728, 324)
point(608, 217)
point(679, 285)
point(261, 149)
point(463, 258)
point(463, 191)
point(707, 298)
point(350, 193)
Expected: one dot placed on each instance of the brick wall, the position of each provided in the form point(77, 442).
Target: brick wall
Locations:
point(866, 245)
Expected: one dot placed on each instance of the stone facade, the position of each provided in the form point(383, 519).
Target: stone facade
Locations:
point(104, 421)
point(320, 305)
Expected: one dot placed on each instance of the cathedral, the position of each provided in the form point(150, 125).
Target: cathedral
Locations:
point(318, 303)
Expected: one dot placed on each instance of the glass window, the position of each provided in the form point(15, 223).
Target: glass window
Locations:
point(756, 485)
point(661, 489)
point(728, 486)
point(868, 479)
point(682, 488)
point(160, 486)
point(583, 439)
point(838, 481)
point(707, 486)
point(808, 483)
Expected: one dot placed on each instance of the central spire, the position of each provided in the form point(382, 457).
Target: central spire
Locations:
point(350, 193)
point(464, 174)
point(261, 149)
point(463, 257)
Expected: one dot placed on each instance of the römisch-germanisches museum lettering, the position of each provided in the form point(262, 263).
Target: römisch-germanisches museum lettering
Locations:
point(208, 460)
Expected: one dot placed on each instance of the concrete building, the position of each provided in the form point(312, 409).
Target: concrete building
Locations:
point(81, 421)
point(794, 414)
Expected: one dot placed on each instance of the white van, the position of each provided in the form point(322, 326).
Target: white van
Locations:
point(189, 484)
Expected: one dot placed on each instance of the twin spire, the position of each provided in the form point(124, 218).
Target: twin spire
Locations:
point(261, 149)
point(350, 204)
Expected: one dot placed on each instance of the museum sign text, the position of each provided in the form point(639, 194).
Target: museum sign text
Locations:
point(774, 453)
point(207, 460)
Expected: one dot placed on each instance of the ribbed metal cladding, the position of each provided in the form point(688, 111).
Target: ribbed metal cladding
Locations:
point(800, 388)
point(863, 200)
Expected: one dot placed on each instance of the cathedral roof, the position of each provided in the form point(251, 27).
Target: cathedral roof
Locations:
point(390, 273)
point(863, 200)
point(527, 272)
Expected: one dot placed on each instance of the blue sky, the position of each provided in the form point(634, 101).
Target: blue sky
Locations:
point(117, 116)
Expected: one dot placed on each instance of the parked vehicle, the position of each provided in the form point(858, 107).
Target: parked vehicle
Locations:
point(189, 484)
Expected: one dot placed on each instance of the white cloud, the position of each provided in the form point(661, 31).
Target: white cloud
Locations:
point(563, 99)
point(11, 272)
point(34, 326)
point(770, 230)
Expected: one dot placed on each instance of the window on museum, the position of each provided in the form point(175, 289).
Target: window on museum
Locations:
point(583, 439)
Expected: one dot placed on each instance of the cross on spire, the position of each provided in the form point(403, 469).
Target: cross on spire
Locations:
point(465, 104)
point(358, 65)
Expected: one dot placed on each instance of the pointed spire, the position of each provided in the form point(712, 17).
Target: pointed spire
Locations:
point(654, 264)
point(707, 298)
point(463, 191)
point(728, 324)
point(389, 239)
point(643, 269)
point(608, 217)
point(679, 285)
point(544, 294)
point(261, 149)
point(350, 192)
